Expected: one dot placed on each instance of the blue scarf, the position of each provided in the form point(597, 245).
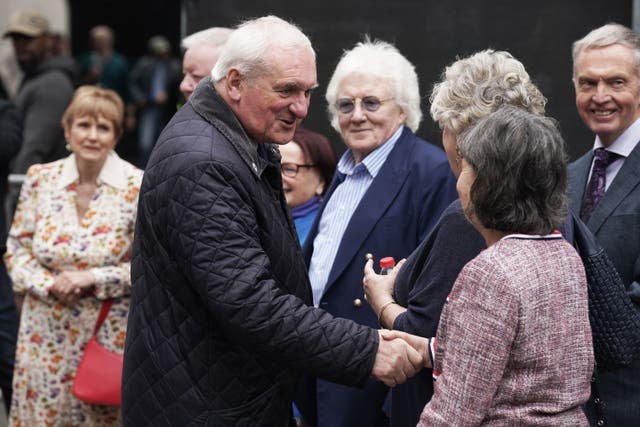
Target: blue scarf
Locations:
point(306, 207)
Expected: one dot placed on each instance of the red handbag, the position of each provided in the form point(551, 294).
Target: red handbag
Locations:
point(99, 375)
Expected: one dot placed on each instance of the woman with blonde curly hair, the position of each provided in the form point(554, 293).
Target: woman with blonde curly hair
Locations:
point(69, 249)
point(411, 298)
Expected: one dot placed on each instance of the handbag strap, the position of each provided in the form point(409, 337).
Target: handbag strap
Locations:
point(106, 306)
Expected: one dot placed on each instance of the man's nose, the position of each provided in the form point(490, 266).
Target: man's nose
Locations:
point(187, 84)
point(358, 114)
point(300, 105)
point(602, 92)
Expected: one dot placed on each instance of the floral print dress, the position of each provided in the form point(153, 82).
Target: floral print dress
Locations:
point(47, 237)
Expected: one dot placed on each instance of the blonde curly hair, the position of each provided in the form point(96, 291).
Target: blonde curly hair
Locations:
point(473, 87)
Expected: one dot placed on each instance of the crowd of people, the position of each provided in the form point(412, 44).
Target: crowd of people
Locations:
point(239, 266)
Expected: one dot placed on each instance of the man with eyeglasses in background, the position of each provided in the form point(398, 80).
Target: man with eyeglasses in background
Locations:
point(389, 191)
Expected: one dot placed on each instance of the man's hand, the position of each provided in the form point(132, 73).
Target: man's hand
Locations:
point(395, 361)
point(419, 344)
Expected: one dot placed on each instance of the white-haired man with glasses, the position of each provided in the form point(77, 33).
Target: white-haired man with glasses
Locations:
point(389, 190)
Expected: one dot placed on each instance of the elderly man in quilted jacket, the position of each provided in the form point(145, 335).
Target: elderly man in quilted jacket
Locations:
point(221, 322)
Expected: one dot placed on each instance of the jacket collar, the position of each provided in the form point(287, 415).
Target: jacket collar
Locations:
point(206, 101)
point(112, 173)
point(371, 208)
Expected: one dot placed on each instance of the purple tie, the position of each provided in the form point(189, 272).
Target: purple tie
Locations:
point(597, 183)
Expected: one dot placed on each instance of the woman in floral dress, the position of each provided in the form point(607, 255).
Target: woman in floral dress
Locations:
point(68, 250)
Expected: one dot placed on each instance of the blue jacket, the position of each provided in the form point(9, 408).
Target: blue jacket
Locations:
point(396, 213)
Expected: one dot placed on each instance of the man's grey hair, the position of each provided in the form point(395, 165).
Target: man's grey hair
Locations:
point(474, 87)
point(380, 59)
point(215, 37)
point(520, 164)
point(606, 36)
point(248, 47)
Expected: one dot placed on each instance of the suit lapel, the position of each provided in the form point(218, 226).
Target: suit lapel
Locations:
point(373, 205)
point(625, 181)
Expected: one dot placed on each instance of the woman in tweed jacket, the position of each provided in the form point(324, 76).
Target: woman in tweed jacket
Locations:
point(514, 342)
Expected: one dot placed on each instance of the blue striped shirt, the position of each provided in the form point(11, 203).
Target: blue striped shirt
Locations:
point(339, 209)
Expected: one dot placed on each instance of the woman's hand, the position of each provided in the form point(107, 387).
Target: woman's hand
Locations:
point(70, 286)
point(378, 289)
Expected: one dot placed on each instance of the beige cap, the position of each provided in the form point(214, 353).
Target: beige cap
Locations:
point(27, 22)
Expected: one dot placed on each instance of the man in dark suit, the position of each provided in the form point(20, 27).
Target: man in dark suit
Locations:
point(389, 191)
point(605, 187)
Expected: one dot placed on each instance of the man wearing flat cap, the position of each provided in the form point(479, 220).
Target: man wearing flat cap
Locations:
point(44, 93)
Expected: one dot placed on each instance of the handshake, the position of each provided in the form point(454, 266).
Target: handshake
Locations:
point(400, 356)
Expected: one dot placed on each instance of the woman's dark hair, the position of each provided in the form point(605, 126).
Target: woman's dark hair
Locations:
point(317, 151)
point(520, 165)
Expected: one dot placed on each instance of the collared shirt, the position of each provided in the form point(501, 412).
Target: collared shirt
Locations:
point(113, 172)
point(622, 146)
point(340, 208)
point(48, 236)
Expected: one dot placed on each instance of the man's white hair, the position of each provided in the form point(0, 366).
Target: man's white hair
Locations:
point(251, 42)
point(215, 37)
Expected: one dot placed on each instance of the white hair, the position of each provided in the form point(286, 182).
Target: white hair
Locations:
point(380, 59)
point(215, 37)
point(251, 42)
point(606, 36)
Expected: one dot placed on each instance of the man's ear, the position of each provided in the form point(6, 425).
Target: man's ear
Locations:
point(233, 84)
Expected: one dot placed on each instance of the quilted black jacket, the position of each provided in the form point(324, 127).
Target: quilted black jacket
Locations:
point(220, 324)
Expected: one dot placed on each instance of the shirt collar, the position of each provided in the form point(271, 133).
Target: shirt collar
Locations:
point(625, 143)
point(112, 173)
point(374, 160)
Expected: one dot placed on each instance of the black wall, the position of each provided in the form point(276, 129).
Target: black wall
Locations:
point(431, 34)
point(133, 22)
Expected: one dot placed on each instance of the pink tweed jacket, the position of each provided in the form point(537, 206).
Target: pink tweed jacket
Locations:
point(514, 343)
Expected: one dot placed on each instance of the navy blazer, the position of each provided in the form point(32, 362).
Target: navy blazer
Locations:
point(401, 206)
point(616, 224)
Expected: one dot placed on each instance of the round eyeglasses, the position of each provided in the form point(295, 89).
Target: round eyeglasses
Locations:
point(291, 169)
point(369, 103)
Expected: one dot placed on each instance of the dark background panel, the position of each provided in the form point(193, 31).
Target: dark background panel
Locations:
point(132, 21)
point(431, 34)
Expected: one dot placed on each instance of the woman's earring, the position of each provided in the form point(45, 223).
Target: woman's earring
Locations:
point(458, 154)
point(68, 147)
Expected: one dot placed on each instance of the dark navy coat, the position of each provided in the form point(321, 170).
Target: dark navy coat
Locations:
point(403, 203)
point(220, 326)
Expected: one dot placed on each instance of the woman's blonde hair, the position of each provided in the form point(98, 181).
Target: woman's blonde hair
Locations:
point(94, 102)
point(473, 87)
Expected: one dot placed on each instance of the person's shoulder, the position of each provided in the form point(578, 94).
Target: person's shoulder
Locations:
point(44, 171)
point(190, 141)
point(51, 82)
point(119, 58)
point(424, 146)
point(132, 172)
point(424, 156)
point(455, 234)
